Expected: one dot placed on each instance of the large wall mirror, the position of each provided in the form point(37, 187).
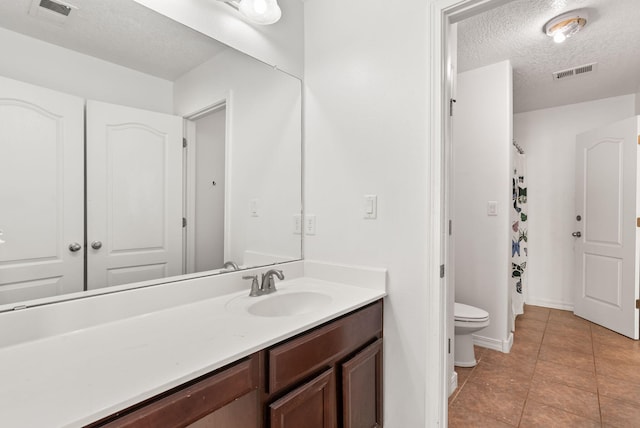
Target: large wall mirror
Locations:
point(135, 151)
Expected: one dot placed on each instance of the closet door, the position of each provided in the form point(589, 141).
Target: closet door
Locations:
point(134, 195)
point(41, 192)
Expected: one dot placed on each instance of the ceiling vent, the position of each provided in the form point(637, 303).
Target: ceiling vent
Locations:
point(576, 71)
point(53, 11)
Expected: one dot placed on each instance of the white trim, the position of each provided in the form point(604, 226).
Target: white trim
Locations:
point(437, 378)
point(495, 344)
point(189, 210)
point(453, 383)
point(546, 303)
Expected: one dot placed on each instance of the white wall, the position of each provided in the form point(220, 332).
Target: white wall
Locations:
point(366, 115)
point(637, 99)
point(548, 137)
point(39, 63)
point(264, 148)
point(280, 44)
point(482, 134)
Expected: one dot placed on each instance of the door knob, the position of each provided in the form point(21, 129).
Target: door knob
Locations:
point(576, 234)
point(96, 245)
point(75, 247)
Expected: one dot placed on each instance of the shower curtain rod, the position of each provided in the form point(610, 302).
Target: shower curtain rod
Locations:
point(518, 148)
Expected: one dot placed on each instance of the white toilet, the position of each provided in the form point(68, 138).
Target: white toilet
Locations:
point(467, 320)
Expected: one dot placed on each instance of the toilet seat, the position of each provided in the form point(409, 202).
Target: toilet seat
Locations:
point(462, 312)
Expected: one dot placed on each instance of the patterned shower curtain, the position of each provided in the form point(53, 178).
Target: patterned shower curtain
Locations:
point(519, 225)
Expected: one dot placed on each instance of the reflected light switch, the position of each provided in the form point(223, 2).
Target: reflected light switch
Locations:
point(253, 208)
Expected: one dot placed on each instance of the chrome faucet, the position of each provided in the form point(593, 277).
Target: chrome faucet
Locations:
point(230, 264)
point(268, 283)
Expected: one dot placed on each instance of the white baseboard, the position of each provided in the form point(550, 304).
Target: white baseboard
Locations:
point(554, 304)
point(453, 382)
point(495, 344)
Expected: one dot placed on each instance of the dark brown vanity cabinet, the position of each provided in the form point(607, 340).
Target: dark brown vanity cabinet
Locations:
point(228, 398)
point(328, 377)
point(332, 374)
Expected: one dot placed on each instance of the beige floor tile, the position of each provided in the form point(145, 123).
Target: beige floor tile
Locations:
point(537, 415)
point(572, 342)
point(620, 414)
point(535, 312)
point(619, 389)
point(501, 403)
point(547, 371)
point(530, 324)
point(567, 357)
point(463, 418)
point(618, 370)
point(501, 376)
point(567, 398)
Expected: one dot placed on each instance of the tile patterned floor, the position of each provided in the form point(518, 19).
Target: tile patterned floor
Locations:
point(562, 371)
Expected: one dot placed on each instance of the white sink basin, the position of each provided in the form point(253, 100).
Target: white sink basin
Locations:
point(288, 304)
point(281, 303)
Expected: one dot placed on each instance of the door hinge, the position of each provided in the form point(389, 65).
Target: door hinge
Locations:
point(638, 222)
point(449, 345)
point(451, 101)
point(637, 303)
point(441, 271)
point(638, 139)
point(184, 142)
point(184, 222)
point(450, 227)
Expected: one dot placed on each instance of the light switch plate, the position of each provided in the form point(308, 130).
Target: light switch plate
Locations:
point(370, 210)
point(297, 224)
point(254, 208)
point(492, 208)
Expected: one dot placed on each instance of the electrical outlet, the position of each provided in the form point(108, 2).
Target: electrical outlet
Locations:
point(297, 224)
point(310, 225)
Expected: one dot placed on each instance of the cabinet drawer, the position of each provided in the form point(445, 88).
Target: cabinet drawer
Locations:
point(300, 357)
point(187, 404)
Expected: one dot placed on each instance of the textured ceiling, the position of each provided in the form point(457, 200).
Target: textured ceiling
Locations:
point(514, 32)
point(118, 31)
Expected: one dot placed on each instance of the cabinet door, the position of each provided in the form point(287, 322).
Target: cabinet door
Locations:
point(362, 388)
point(313, 405)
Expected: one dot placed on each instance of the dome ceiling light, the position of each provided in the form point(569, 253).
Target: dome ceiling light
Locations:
point(262, 12)
point(566, 25)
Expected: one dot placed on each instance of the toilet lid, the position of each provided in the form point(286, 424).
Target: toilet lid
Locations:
point(469, 313)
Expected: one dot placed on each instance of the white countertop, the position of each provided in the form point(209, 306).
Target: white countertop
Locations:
point(80, 376)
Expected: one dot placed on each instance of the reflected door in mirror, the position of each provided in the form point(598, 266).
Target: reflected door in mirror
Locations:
point(41, 192)
point(134, 195)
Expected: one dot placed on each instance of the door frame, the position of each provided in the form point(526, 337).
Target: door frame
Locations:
point(439, 14)
point(189, 181)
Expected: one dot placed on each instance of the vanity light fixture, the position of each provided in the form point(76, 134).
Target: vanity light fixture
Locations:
point(566, 25)
point(262, 12)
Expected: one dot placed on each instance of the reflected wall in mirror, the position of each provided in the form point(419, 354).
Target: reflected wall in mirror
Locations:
point(135, 149)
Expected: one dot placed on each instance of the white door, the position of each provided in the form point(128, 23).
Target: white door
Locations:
point(606, 201)
point(134, 195)
point(41, 192)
